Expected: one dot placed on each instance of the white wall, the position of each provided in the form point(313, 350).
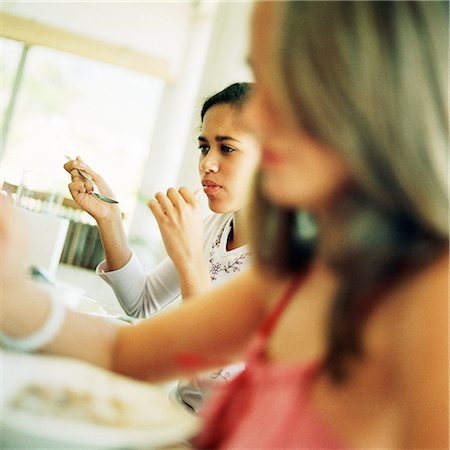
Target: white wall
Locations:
point(158, 27)
point(215, 56)
point(225, 64)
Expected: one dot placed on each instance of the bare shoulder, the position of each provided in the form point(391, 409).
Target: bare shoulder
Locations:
point(421, 355)
point(267, 286)
point(425, 298)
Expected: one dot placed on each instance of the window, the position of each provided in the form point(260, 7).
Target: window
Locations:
point(68, 104)
point(10, 56)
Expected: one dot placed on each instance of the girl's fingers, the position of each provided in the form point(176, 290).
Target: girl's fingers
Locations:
point(173, 201)
point(156, 209)
point(80, 186)
point(74, 164)
point(175, 197)
point(188, 196)
point(77, 186)
point(78, 163)
point(164, 201)
point(75, 175)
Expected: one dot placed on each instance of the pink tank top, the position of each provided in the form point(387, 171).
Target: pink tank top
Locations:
point(267, 406)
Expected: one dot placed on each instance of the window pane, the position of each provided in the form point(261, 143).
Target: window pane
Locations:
point(72, 105)
point(9, 61)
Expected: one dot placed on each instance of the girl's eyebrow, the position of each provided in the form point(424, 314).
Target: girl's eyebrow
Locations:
point(219, 139)
point(227, 138)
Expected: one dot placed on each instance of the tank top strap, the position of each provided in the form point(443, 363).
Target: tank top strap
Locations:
point(272, 319)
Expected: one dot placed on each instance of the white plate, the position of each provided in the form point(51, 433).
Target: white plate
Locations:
point(152, 420)
point(89, 305)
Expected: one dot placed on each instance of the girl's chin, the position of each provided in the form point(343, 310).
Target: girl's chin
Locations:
point(220, 207)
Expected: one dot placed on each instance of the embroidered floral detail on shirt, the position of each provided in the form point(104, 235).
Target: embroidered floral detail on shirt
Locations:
point(221, 374)
point(230, 266)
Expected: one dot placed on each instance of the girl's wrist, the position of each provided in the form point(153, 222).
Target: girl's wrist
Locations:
point(46, 332)
point(112, 219)
point(188, 264)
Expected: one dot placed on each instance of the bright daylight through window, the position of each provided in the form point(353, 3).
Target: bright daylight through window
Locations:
point(67, 104)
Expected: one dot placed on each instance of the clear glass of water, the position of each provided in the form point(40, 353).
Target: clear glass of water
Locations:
point(40, 193)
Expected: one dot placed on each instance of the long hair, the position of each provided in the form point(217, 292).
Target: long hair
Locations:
point(370, 80)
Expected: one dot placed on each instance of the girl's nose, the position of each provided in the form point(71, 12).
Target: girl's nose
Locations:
point(209, 163)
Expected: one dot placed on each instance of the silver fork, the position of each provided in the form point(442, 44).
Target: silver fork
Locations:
point(95, 192)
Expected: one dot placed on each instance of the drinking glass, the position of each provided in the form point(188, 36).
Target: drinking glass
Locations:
point(40, 193)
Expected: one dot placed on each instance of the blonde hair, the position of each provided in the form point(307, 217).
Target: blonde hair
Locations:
point(369, 79)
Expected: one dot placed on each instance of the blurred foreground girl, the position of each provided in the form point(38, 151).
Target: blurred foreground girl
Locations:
point(344, 317)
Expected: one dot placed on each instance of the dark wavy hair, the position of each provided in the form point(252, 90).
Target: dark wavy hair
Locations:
point(370, 80)
point(235, 94)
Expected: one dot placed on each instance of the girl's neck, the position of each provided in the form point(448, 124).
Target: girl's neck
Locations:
point(237, 238)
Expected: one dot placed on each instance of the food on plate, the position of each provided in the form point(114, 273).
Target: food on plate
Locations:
point(76, 404)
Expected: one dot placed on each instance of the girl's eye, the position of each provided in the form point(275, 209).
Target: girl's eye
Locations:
point(227, 149)
point(204, 148)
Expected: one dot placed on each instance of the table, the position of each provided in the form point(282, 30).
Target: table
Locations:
point(56, 402)
point(28, 430)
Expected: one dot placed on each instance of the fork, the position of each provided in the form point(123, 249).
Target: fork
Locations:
point(95, 192)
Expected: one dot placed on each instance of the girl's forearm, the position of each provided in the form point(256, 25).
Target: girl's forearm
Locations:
point(210, 331)
point(115, 243)
point(194, 278)
point(79, 336)
point(155, 349)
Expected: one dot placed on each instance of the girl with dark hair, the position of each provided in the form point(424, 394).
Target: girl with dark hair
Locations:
point(202, 253)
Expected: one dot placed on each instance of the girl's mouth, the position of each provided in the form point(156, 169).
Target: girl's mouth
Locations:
point(210, 188)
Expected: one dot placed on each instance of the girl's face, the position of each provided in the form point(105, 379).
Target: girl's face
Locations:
point(298, 171)
point(228, 159)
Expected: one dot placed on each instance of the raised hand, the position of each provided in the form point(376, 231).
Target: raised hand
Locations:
point(180, 221)
point(181, 224)
point(81, 189)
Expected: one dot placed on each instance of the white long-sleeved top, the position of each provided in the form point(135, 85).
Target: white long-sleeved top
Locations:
point(142, 294)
